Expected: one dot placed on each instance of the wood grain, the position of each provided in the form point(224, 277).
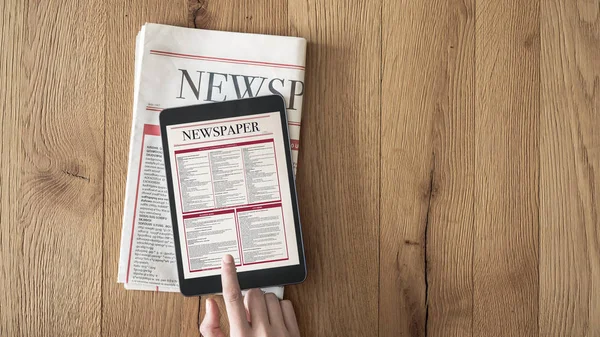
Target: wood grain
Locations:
point(505, 274)
point(569, 164)
point(408, 176)
point(338, 168)
point(450, 230)
point(260, 17)
point(52, 131)
point(132, 313)
point(447, 172)
point(427, 169)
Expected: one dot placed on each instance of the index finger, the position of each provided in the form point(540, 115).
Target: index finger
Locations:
point(232, 294)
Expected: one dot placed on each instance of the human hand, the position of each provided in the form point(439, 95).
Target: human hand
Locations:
point(255, 315)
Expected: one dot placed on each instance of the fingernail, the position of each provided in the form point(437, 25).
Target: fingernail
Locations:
point(228, 259)
point(208, 305)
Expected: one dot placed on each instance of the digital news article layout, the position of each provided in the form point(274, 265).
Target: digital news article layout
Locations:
point(232, 194)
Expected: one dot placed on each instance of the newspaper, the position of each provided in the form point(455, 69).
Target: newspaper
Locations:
point(177, 66)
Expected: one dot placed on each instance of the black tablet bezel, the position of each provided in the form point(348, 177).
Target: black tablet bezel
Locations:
point(235, 108)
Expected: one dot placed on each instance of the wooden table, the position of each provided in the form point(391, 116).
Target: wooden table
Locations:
point(449, 174)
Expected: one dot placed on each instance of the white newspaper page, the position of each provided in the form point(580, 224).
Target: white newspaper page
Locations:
point(177, 67)
point(232, 194)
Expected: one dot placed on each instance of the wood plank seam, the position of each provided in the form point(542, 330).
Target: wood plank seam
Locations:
point(380, 167)
point(474, 158)
point(425, 244)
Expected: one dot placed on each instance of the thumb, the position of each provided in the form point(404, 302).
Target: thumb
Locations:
point(210, 326)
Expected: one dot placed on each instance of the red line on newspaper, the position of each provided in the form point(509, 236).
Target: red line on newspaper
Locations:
point(153, 130)
point(214, 147)
point(219, 122)
point(226, 60)
point(221, 140)
point(151, 108)
point(247, 200)
point(194, 212)
point(257, 207)
point(200, 215)
point(294, 123)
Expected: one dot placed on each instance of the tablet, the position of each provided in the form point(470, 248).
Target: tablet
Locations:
point(232, 191)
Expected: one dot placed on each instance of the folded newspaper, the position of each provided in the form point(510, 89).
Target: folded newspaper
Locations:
point(177, 66)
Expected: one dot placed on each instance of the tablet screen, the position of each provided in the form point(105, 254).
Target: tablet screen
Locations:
point(232, 194)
